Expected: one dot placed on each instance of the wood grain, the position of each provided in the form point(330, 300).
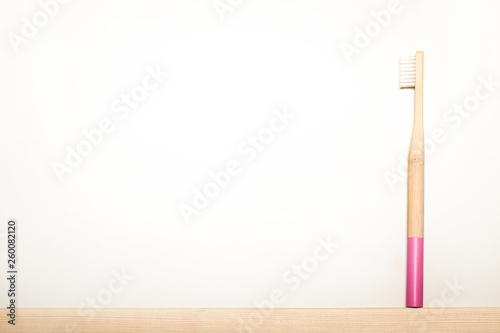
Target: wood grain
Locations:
point(416, 156)
point(233, 320)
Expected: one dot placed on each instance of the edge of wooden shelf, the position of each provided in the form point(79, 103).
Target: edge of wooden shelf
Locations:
point(255, 320)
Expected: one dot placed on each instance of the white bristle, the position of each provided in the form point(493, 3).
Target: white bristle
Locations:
point(407, 72)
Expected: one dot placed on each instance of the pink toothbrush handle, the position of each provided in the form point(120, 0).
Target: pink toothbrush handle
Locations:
point(415, 273)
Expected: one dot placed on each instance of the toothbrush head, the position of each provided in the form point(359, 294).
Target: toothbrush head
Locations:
point(407, 72)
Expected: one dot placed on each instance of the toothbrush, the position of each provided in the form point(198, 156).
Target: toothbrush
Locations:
point(411, 76)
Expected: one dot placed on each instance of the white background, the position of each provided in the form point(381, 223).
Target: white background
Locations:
point(324, 176)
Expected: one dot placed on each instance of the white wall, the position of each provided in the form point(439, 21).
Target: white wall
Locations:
point(323, 176)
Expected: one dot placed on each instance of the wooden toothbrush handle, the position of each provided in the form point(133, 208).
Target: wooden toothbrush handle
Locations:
point(416, 194)
point(416, 158)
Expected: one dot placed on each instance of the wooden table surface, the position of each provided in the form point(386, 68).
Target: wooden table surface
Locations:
point(399, 320)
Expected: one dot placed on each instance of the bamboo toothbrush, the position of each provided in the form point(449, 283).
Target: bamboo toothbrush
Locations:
point(411, 72)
